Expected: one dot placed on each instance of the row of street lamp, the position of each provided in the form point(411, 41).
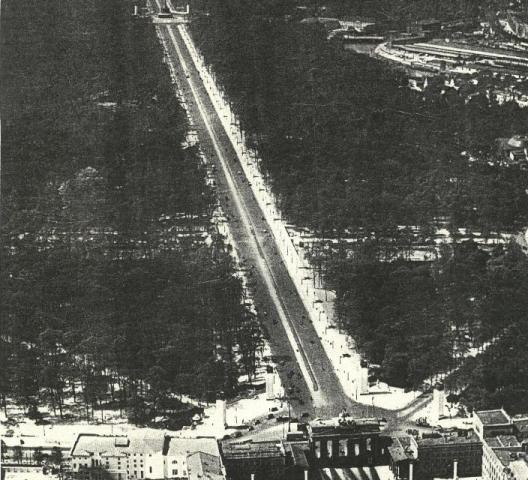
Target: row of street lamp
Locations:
point(250, 162)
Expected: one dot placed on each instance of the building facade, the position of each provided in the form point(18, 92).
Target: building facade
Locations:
point(151, 456)
point(349, 442)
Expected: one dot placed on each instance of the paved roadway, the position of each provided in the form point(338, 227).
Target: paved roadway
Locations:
point(306, 369)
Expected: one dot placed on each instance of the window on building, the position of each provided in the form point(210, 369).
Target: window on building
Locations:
point(174, 462)
point(150, 469)
point(356, 449)
point(175, 471)
point(330, 448)
point(141, 473)
point(317, 448)
point(369, 444)
point(343, 447)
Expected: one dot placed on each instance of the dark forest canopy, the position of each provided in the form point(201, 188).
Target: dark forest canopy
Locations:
point(346, 145)
point(379, 10)
point(351, 152)
point(106, 282)
point(410, 10)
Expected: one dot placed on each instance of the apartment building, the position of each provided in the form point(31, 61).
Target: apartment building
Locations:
point(152, 456)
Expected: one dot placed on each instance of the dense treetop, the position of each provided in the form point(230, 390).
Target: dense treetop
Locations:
point(351, 152)
point(106, 280)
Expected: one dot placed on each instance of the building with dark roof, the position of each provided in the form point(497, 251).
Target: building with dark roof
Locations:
point(348, 447)
point(449, 456)
point(521, 426)
point(403, 455)
point(204, 466)
point(263, 460)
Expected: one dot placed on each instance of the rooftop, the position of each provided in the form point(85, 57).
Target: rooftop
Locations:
point(252, 450)
point(204, 466)
point(298, 452)
point(503, 441)
point(505, 456)
point(448, 440)
point(32, 442)
point(521, 424)
point(493, 417)
point(186, 446)
point(403, 448)
point(117, 445)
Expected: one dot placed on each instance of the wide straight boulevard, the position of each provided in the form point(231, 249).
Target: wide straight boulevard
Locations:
point(305, 370)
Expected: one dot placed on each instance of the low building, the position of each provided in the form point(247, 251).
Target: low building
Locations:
point(178, 451)
point(521, 426)
point(448, 456)
point(403, 456)
point(489, 423)
point(204, 466)
point(26, 473)
point(22, 450)
point(121, 457)
point(254, 460)
point(144, 456)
